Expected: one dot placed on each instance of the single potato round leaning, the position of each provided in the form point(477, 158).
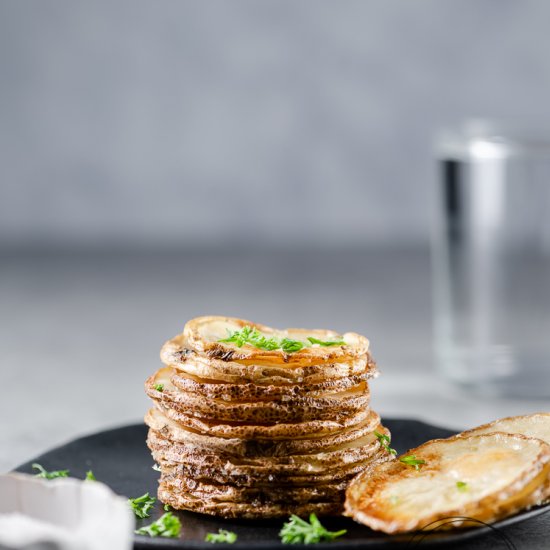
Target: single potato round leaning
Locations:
point(486, 477)
point(531, 425)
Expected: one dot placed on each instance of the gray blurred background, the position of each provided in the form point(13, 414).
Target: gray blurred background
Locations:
point(300, 122)
point(265, 159)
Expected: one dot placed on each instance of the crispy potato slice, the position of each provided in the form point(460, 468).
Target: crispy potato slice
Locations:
point(204, 334)
point(174, 431)
point(273, 493)
point(530, 425)
point(255, 509)
point(265, 477)
point(342, 456)
point(178, 353)
point(248, 391)
point(324, 407)
point(485, 477)
point(276, 432)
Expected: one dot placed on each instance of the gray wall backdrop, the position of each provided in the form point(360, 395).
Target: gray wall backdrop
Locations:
point(248, 122)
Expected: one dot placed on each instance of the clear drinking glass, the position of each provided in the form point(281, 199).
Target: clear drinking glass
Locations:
point(491, 258)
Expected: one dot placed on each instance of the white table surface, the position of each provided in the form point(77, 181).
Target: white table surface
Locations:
point(81, 332)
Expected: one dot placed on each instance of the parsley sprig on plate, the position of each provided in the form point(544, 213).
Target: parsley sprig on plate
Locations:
point(42, 472)
point(141, 505)
point(299, 531)
point(221, 536)
point(253, 337)
point(168, 525)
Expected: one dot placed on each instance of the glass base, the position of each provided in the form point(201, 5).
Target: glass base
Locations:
point(500, 371)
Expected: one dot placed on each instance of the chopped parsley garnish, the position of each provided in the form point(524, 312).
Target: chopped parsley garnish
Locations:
point(221, 536)
point(167, 508)
point(168, 525)
point(462, 486)
point(326, 343)
point(253, 337)
point(411, 460)
point(299, 531)
point(49, 475)
point(291, 346)
point(239, 337)
point(90, 476)
point(385, 441)
point(159, 387)
point(142, 505)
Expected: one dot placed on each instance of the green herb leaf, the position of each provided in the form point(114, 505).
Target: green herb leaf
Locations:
point(291, 346)
point(326, 343)
point(159, 387)
point(49, 475)
point(221, 536)
point(90, 476)
point(299, 531)
point(411, 460)
point(462, 486)
point(253, 337)
point(141, 505)
point(239, 337)
point(168, 525)
point(269, 344)
point(258, 340)
point(385, 441)
point(167, 508)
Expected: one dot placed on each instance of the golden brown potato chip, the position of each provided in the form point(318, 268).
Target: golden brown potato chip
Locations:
point(484, 477)
point(177, 353)
point(258, 447)
point(205, 335)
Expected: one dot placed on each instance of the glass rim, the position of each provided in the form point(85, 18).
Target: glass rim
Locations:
point(493, 139)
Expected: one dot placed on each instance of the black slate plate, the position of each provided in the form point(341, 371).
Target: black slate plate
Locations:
point(121, 459)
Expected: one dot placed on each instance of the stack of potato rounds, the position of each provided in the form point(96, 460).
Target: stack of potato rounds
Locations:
point(254, 422)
